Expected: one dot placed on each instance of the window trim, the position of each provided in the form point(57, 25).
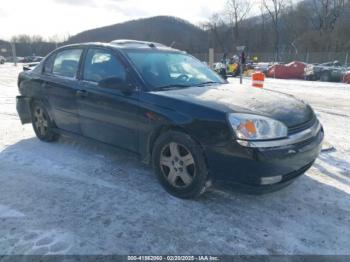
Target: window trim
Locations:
point(76, 77)
point(51, 56)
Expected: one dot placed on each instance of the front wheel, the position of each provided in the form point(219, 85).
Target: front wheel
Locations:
point(42, 124)
point(180, 165)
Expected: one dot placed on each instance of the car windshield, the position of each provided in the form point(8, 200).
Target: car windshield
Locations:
point(166, 70)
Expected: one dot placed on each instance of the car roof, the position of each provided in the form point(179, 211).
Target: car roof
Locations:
point(127, 44)
point(136, 44)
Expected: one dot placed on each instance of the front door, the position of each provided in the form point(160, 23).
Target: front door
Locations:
point(107, 114)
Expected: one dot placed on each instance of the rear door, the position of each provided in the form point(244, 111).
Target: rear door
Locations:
point(107, 114)
point(61, 84)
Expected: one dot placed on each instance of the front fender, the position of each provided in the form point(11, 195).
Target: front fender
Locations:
point(155, 121)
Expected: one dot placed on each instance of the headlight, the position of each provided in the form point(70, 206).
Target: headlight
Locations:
point(254, 127)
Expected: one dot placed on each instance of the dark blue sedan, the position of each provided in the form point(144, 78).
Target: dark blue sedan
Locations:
point(174, 112)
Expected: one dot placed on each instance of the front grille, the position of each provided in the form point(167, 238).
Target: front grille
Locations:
point(301, 127)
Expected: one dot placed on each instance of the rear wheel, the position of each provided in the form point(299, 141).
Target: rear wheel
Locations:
point(180, 165)
point(325, 77)
point(309, 78)
point(42, 124)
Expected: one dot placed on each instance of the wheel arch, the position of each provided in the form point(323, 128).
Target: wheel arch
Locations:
point(166, 128)
point(45, 102)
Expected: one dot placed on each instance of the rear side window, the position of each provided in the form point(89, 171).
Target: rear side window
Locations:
point(67, 63)
point(101, 64)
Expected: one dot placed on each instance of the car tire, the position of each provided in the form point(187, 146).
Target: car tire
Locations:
point(180, 165)
point(42, 123)
point(309, 78)
point(325, 77)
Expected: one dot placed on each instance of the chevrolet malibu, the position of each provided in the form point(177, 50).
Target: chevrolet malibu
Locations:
point(173, 112)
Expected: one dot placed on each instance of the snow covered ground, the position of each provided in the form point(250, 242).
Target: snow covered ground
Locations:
point(71, 197)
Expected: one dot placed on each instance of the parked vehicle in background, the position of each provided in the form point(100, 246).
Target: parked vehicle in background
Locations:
point(10, 59)
point(32, 59)
point(221, 68)
point(326, 72)
point(2, 60)
point(293, 70)
point(233, 67)
point(37, 59)
point(30, 66)
point(172, 111)
point(346, 77)
point(229, 69)
point(262, 67)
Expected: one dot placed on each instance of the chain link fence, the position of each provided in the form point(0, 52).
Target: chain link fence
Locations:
point(309, 57)
point(284, 57)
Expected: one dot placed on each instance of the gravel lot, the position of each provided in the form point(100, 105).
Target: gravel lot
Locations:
point(72, 197)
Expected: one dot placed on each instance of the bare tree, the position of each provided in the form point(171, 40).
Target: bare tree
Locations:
point(237, 11)
point(274, 8)
point(26, 39)
point(327, 14)
point(262, 24)
point(58, 39)
point(216, 26)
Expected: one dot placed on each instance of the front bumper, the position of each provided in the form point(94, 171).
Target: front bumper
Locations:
point(260, 167)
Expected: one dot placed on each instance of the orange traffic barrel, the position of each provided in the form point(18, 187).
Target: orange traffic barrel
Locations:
point(258, 79)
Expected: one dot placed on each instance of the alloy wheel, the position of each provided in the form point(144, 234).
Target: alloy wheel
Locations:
point(177, 165)
point(41, 121)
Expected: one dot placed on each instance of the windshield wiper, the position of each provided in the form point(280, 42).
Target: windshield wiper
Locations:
point(176, 86)
point(169, 87)
point(208, 83)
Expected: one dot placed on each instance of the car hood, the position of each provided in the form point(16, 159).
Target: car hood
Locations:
point(245, 99)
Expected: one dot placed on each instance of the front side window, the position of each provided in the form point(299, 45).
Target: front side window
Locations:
point(101, 65)
point(67, 63)
point(162, 69)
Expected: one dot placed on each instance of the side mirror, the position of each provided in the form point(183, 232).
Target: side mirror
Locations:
point(26, 68)
point(116, 83)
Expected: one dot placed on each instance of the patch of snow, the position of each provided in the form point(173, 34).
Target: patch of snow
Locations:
point(7, 212)
point(81, 198)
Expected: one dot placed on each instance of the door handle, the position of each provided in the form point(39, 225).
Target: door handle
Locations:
point(81, 93)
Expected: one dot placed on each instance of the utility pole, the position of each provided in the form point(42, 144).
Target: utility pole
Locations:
point(211, 58)
point(13, 45)
point(241, 50)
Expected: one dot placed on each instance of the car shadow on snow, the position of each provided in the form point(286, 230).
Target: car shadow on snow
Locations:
point(107, 199)
point(84, 154)
point(341, 165)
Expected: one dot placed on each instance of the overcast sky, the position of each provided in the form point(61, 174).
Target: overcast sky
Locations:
point(63, 17)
